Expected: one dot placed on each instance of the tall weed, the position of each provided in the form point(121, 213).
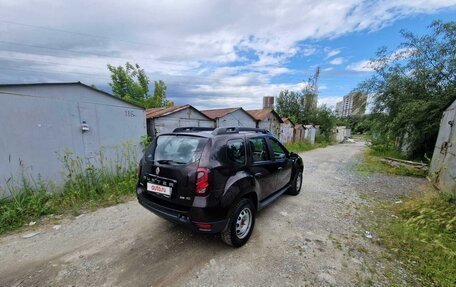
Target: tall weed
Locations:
point(100, 181)
point(424, 237)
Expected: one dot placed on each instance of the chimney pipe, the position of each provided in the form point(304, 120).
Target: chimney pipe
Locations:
point(268, 102)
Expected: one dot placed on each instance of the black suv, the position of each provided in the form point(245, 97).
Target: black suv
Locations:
point(215, 180)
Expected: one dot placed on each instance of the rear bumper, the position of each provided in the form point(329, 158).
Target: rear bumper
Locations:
point(183, 218)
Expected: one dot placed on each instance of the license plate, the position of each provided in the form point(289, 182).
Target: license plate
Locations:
point(165, 190)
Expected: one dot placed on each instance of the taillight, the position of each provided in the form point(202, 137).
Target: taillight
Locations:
point(204, 226)
point(202, 181)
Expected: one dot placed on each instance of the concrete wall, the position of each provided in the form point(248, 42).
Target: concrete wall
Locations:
point(38, 123)
point(238, 118)
point(184, 118)
point(443, 164)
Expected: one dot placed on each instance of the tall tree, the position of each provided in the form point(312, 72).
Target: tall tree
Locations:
point(288, 105)
point(412, 86)
point(131, 83)
point(298, 107)
point(159, 97)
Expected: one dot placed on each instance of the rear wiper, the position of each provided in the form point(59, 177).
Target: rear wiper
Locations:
point(169, 161)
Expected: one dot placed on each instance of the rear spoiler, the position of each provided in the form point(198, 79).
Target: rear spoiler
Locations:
point(192, 129)
point(235, 130)
point(220, 131)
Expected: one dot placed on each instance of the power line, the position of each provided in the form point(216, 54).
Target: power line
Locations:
point(71, 32)
point(91, 54)
point(42, 47)
point(53, 63)
point(55, 72)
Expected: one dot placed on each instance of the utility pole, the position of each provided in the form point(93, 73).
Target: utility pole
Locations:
point(313, 88)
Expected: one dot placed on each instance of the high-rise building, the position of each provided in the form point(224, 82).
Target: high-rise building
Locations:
point(352, 104)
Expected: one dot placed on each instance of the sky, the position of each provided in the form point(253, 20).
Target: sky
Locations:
point(211, 54)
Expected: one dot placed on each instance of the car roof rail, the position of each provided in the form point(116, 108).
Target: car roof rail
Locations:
point(234, 130)
point(192, 129)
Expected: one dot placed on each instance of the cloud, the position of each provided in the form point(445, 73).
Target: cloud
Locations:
point(331, 53)
point(361, 66)
point(329, 101)
point(205, 50)
point(337, 61)
point(370, 66)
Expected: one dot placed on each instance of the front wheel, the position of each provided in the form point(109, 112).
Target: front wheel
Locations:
point(296, 184)
point(240, 224)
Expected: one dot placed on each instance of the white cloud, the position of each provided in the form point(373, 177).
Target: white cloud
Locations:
point(239, 46)
point(331, 53)
point(361, 66)
point(369, 66)
point(330, 101)
point(337, 61)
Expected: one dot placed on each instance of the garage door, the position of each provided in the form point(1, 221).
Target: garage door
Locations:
point(188, 123)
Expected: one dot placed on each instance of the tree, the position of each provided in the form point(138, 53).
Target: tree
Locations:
point(159, 97)
point(132, 84)
point(288, 105)
point(325, 118)
point(412, 87)
point(300, 108)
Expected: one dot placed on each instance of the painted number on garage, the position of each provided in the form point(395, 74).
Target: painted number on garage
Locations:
point(130, 114)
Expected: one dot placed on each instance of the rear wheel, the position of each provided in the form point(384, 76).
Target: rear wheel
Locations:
point(296, 184)
point(240, 223)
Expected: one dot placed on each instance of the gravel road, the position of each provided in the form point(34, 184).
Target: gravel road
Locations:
point(312, 239)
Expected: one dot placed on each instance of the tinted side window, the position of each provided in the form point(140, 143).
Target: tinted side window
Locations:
point(259, 149)
point(236, 151)
point(279, 152)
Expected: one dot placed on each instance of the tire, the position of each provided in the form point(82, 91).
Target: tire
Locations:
point(236, 234)
point(296, 184)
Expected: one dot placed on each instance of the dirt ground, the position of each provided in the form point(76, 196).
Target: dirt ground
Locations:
point(314, 239)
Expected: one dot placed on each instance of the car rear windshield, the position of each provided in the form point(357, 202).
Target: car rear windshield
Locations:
point(175, 149)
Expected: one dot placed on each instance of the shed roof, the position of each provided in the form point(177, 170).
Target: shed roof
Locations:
point(69, 84)
point(165, 111)
point(220, 113)
point(299, 127)
point(261, 114)
point(287, 120)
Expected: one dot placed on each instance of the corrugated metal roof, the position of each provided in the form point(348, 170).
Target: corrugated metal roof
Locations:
point(287, 120)
point(219, 113)
point(261, 114)
point(164, 111)
point(69, 84)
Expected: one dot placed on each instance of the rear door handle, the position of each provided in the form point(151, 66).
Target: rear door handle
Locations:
point(279, 168)
point(258, 174)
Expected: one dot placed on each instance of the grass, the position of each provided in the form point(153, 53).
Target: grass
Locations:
point(422, 236)
point(298, 147)
point(87, 187)
point(372, 163)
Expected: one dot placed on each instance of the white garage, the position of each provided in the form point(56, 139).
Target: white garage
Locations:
point(164, 120)
point(231, 117)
